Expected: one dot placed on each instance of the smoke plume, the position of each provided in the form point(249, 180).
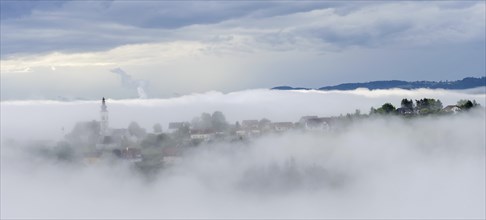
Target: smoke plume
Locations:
point(129, 83)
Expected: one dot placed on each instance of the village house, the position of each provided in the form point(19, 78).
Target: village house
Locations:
point(249, 128)
point(171, 155)
point(454, 109)
point(129, 153)
point(174, 126)
point(241, 133)
point(202, 135)
point(304, 119)
point(249, 124)
point(317, 124)
point(405, 111)
point(265, 125)
point(282, 126)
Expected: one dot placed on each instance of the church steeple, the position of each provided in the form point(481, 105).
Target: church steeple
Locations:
point(103, 119)
point(103, 105)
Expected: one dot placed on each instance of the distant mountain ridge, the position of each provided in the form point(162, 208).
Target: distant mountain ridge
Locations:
point(466, 83)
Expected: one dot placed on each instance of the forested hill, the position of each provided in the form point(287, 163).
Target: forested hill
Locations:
point(466, 83)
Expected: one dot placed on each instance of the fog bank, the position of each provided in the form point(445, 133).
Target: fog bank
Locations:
point(30, 116)
point(383, 167)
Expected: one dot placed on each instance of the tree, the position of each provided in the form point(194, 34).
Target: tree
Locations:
point(84, 134)
point(426, 105)
point(64, 152)
point(196, 123)
point(437, 106)
point(237, 125)
point(386, 108)
point(475, 104)
point(466, 104)
point(389, 108)
point(135, 130)
point(218, 121)
point(372, 111)
point(157, 128)
point(182, 132)
point(152, 150)
point(203, 122)
point(422, 104)
point(157, 141)
point(264, 123)
point(407, 103)
point(206, 121)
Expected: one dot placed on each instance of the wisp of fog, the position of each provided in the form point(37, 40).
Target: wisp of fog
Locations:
point(381, 167)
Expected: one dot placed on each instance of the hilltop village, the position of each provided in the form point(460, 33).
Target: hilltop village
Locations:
point(96, 141)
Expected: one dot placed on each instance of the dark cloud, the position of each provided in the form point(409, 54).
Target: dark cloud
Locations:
point(16, 9)
point(379, 34)
point(170, 14)
point(35, 27)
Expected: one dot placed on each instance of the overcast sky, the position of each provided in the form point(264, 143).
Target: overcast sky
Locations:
point(55, 49)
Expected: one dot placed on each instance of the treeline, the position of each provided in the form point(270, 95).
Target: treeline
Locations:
point(423, 106)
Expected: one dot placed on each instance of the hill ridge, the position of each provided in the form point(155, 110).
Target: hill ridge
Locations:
point(465, 83)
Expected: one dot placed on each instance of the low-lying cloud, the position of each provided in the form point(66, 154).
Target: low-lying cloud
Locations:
point(384, 167)
point(128, 82)
point(29, 117)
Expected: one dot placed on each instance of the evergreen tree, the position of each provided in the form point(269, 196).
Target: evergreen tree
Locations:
point(407, 103)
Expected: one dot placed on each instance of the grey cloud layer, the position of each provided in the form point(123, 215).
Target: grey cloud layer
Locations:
point(93, 26)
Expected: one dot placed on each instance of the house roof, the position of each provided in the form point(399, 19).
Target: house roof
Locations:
point(171, 151)
point(283, 124)
point(317, 121)
point(201, 131)
point(249, 123)
point(177, 125)
point(303, 119)
point(451, 108)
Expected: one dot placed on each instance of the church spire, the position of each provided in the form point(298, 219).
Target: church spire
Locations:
point(103, 105)
point(104, 118)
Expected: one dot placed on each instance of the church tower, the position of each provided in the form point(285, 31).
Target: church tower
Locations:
point(104, 119)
